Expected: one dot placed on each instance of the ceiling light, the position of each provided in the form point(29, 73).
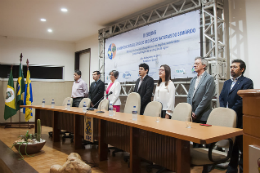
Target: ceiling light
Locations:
point(43, 20)
point(49, 30)
point(64, 9)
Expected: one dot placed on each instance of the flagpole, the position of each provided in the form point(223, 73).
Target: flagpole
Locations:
point(27, 62)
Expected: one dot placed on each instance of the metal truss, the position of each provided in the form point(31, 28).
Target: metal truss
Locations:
point(214, 40)
point(180, 87)
point(213, 28)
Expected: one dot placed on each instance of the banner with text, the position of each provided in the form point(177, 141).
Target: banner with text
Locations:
point(174, 41)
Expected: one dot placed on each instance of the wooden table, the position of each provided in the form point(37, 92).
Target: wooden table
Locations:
point(166, 143)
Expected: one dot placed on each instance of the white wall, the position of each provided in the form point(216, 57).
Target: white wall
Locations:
point(39, 52)
point(92, 43)
point(244, 35)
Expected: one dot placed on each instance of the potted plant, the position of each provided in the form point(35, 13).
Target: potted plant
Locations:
point(30, 143)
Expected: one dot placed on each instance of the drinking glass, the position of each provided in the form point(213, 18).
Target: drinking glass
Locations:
point(158, 118)
point(188, 122)
point(114, 111)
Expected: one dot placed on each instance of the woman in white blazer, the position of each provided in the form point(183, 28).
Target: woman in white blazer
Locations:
point(114, 87)
point(165, 91)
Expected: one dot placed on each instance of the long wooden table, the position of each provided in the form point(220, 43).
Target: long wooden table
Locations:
point(166, 143)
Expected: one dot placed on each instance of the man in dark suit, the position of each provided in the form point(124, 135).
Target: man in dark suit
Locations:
point(144, 86)
point(229, 98)
point(201, 92)
point(97, 88)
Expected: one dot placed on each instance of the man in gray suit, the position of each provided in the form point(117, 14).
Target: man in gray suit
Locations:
point(202, 89)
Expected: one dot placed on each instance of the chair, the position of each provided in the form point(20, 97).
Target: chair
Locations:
point(133, 99)
point(64, 103)
point(207, 157)
point(103, 105)
point(86, 100)
point(153, 109)
point(181, 112)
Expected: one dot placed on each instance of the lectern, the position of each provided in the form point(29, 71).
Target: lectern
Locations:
point(251, 123)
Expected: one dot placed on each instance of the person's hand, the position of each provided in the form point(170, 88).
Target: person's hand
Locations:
point(167, 116)
point(91, 104)
point(193, 116)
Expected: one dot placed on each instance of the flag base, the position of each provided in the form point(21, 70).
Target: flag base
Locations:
point(29, 126)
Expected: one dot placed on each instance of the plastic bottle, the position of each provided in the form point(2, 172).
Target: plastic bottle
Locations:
point(43, 102)
point(134, 113)
point(84, 108)
point(68, 105)
point(52, 103)
point(110, 109)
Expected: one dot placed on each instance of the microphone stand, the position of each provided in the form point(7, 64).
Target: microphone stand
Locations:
point(92, 109)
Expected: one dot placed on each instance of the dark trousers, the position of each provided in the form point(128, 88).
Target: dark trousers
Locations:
point(76, 101)
point(236, 159)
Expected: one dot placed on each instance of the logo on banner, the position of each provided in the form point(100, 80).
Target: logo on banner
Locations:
point(127, 75)
point(180, 71)
point(112, 51)
point(193, 69)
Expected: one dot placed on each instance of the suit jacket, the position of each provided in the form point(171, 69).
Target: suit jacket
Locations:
point(230, 97)
point(96, 93)
point(114, 97)
point(145, 91)
point(201, 99)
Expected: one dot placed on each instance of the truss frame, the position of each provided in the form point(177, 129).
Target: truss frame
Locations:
point(214, 38)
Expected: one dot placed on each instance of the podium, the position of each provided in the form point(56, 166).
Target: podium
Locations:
point(251, 123)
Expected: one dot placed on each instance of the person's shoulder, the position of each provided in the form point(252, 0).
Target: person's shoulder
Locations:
point(149, 77)
point(246, 79)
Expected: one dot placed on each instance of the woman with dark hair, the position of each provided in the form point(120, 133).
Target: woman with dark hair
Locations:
point(113, 90)
point(165, 91)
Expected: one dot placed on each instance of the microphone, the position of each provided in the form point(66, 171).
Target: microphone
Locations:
point(109, 93)
point(92, 109)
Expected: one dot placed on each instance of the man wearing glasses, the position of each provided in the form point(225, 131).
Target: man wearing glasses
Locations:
point(229, 99)
point(97, 88)
point(201, 92)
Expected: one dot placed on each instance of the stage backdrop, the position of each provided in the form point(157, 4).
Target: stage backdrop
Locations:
point(174, 41)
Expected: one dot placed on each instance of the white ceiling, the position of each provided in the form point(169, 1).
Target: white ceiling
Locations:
point(21, 18)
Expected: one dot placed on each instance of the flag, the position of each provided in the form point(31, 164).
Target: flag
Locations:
point(19, 89)
point(10, 108)
point(28, 97)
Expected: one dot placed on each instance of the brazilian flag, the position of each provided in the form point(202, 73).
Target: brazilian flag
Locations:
point(20, 89)
point(10, 108)
point(28, 97)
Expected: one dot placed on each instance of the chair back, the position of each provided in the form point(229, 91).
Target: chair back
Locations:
point(153, 109)
point(65, 101)
point(103, 105)
point(181, 112)
point(223, 117)
point(133, 99)
point(86, 100)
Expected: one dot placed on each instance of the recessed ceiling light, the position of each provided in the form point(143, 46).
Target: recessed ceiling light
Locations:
point(64, 9)
point(43, 20)
point(49, 30)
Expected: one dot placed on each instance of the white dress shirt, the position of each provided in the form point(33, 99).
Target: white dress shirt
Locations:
point(140, 82)
point(197, 82)
point(79, 89)
point(165, 95)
